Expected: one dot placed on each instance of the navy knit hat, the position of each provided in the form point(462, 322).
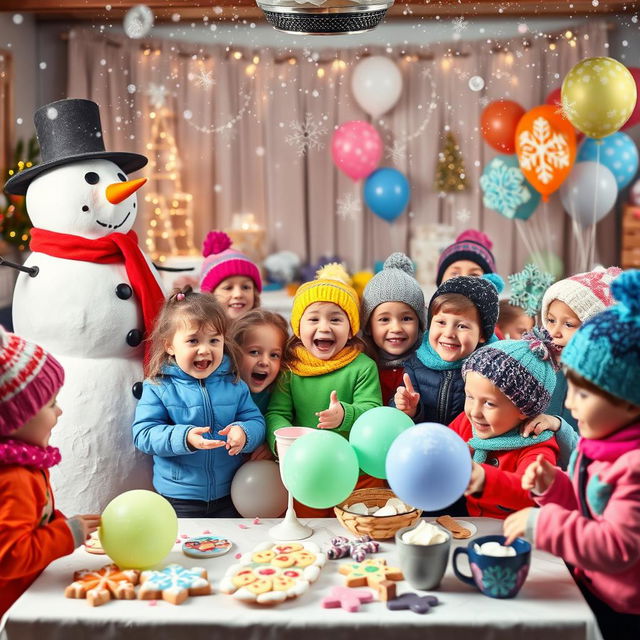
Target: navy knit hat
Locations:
point(469, 245)
point(606, 349)
point(524, 370)
point(483, 292)
point(395, 283)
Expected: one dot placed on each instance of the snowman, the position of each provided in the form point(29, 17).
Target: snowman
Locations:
point(91, 301)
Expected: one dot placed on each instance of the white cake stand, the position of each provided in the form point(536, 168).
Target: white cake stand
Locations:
point(290, 528)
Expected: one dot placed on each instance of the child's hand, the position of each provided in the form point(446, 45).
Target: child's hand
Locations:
point(90, 522)
point(476, 482)
point(236, 438)
point(196, 441)
point(515, 526)
point(539, 424)
point(261, 453)
point(333, 416)
point(406, 398)
point(539, 475)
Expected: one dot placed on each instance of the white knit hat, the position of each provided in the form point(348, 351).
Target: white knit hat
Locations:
point(584, 293)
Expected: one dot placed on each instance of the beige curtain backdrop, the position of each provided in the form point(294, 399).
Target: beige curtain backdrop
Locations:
point(240, 130)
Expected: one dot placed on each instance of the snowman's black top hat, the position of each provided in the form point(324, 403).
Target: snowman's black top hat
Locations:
point(68, 131)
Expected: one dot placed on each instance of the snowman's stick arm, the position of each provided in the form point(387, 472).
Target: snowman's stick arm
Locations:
point(31, 271)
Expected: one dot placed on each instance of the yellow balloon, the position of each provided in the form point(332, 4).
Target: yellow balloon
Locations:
point(598, 96)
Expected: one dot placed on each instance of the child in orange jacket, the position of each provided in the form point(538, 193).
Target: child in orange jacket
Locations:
point(32, 532)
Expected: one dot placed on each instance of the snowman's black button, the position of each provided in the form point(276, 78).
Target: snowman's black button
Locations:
point(134, 337)
point(124, 291)
point(136, 389)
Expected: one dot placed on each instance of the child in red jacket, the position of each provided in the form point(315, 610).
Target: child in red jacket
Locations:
point(32, 532)
point(506, 383)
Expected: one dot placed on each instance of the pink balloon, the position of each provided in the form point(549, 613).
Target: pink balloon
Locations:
point(356, 149)
point(634, 118)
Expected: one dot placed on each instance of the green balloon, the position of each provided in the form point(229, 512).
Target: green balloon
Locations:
point(138, 529)
point(548, 261)
point(320, 469)
point(372, 434)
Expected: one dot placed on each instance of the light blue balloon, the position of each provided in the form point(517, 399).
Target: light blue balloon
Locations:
point(506, 190)
point(387, 193)
point(428, 466)
point(618, 152)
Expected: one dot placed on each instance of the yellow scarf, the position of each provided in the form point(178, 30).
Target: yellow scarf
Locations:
point(306, 365)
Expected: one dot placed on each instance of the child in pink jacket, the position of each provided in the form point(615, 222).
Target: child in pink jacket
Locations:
point(590, 515)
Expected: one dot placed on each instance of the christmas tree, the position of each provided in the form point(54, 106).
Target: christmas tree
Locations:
point(450, 174)
point(15, 225)
point(169, 209)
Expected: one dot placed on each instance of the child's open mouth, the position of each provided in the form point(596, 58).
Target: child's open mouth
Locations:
point(396, 341)
point(258, 377)
point(202, 365)
point(449, 345)
point(237, 305)
point(324, 345)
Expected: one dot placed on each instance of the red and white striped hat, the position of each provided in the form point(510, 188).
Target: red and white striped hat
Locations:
point(29, 378)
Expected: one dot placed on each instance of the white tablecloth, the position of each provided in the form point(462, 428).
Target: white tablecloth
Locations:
point(549, 606)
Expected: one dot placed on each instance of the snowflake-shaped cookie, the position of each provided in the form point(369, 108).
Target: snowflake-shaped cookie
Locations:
point(375, 574)
point(174, 584)
point(272, 573)
point(103, 584)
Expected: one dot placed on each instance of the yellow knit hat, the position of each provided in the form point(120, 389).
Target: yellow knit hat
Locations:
point(332, 284)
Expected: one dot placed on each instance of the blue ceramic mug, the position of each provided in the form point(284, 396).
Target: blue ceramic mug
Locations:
point(496, 577)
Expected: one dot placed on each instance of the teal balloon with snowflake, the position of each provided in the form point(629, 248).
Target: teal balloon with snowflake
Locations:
point(506, 190)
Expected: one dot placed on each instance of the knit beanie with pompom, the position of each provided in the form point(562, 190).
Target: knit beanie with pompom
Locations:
point(469, 245)
point(222, 262)
point(332, 284)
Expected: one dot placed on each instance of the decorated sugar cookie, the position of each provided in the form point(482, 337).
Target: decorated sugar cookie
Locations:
point(93, 544)
point(103, 584)
point(375, 574)
point(174, 584)
point(272, 573)
point(208, 546)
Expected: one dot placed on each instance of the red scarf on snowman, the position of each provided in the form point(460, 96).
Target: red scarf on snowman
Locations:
point(110, 249)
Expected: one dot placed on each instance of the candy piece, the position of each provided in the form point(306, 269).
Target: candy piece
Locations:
point(413, 602)
point(339, 541)
point(206, 546)
point(174, 584)
point(347, 599)
point(103, 584)
point(256, 521)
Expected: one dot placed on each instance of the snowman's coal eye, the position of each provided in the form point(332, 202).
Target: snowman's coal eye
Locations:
point(122, 177)
point(92, 177)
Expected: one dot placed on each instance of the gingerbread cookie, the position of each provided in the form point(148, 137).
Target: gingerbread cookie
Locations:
point(206, 546)
point(457, 530)
point(174, 584)
point(272, 573)
point(375, 574)
point(93, 544)
point(103, 584)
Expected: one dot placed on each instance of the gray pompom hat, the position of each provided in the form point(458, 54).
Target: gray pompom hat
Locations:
point(395, 283)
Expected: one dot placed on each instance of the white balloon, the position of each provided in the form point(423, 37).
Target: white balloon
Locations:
point(257, 490)
point(376, 84)
point(634, 193)
point(589, 193)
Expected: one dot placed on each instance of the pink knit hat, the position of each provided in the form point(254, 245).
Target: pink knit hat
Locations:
point(469, 245)
point(584, 293)
point(29, 378)
point(222, 262)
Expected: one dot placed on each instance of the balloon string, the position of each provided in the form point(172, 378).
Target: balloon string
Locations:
point(547, 233)
point(592, 244)
point(524, 238)
point(577, 233)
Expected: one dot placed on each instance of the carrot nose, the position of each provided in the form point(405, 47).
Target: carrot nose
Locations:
point(118, 191)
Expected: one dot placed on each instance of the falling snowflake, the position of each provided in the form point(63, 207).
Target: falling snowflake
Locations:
point(459, 25)
point(566, 109)
point(306, 135)
point(528, 287)
point(504, 188)
point(204, 79)
point(397, 152)
point(348, 206)
point(543, 150)
point(158, 94)
point(464, 215)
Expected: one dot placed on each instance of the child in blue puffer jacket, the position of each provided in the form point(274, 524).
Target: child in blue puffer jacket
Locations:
point(195, 415)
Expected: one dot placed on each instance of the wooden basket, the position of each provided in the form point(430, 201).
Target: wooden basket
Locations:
point(378, 527)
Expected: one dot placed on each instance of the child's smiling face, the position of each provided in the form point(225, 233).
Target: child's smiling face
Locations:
point(324, 330)
point(490, 412)
point(37, 430)
point(236, 295)
point(394, 327)
point(455, 335)
point(561, 322)
point(198, 350)
point(261, 356)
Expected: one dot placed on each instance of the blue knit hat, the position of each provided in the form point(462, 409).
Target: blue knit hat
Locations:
point(605, 350)
point(524, 370)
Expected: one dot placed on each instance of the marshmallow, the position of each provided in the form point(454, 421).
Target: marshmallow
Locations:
point(425, 534)
point(494, 549)
point(358, 507)
point(387, 510)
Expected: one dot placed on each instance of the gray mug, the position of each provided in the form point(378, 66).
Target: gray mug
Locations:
point(422, 565)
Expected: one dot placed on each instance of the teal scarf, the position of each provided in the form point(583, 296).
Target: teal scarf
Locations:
point(506, 442)
point(430, 358)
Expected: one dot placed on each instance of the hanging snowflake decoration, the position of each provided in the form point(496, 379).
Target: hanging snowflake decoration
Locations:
point(543, 150)
point(158, 95)
point(397, 152)
point(504, 188)
point(203, 79)
point(348, 206)
point(528, 287)
point(306, 135)
point(463, 215)
point(459, 25)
